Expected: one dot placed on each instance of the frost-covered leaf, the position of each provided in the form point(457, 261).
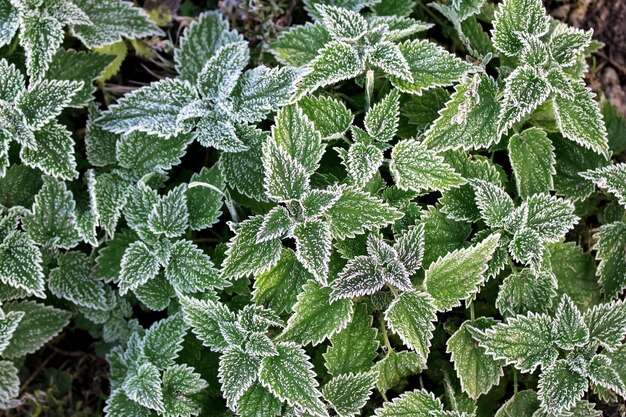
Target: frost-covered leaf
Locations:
point(532, 158)
point(560, 387)
point(169, 216)
point(285, 177)
point(569, 326)
point(601, 372)
point(357, 211)
point(548, 216)
point(245, 256)
point(348, 393)
point(381, 121)
point(21, 264)
point(119, 405)
point(72, 280)
point(44, 100)
point(313, 247)
point(156, 293)
point(525, 291)
point(388, 57)
point(611, 252)
point(100, 144)
point(181, 386)
point(336, 61)
point(110, 21)
point(163, 341)
point(459, 275)
point(525, 89)
point(139, 265)
point(430, 66)
point(111, 193)
point(257, 401)
point(8, 324)
point(354, 348)
point(40, 36)
point(200, 42)
point(9, 22)
point(516, 18)
point(342, 23)
point(441, 234)
point(237, 372)
point(54, 152)
point(361, 276)
point(410, 248)
point(494, 204)
point(316, 317)
point(221, 72)
point(297, 135)
point(39, 324)
point(143, 153)
point(53, 218)
point(329, 116)
point(206, 318)
point(417, 402)
point(411, 317)
point(151, 109)
point(277, 223)
point(290, 377)
point(567, 43)
point(215, 129)
point(611, 178)
point(469, 120)
point(397, 366)
point(189, 269)
point(9, 383)
point(143, 385)
point(607, 323)
point(204, 203)
point(579, 119)
point(522, 404)
point(299, 45)
point(415, 167)
point(525, 341)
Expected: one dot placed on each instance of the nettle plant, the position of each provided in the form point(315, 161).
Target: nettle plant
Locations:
point(374, 216)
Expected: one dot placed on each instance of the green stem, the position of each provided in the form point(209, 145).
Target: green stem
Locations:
point(514, 381)
point(511, 265)
point(369, 88)
point(383, 331)
point(471, 309)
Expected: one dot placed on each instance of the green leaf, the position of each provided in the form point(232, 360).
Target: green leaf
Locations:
point(19, 186)
point(152, 109)
point(38, 326)
point(156, 293)
point(169, 215)
point(381, 121)
point(611, 252)
point(205, 203)
point(21, 264)
point(414, 167)
point(602, 373)
point(200, 42)
point(139, 265)
point(411, 317)
point(522, 404)
point(8, 324)
point(548, 216)
point(315, 317)
point(441, 235)
point(397, 366)
point(313, 247)
point(579, 119)
point(221, 72)
point(354, 348)
point(245, 256)
point(532, 158)
point(190, 269)
point(285, 177)
point(356, 211)
point(143, 385)
point(9, 22)
point(388, 57)
point(110, 21)
point(44, 100)
point(569, 326)
point(430, 66)
point(612, 178)
point(263, 90)
point(277, 223)
point(341, 23)
point(40, 37)
point(163, 341)
point(525, 341)
point(459, 275)
point(244, 170)
point(237, 372)
point(143, 153)
point(100, 144)
point(348, 393)
point(329, 116)
point(513, 20)
point(362, 275)
point(560, 387)
point(297, 136)
point(71, 280)
point(119, 405)
point(469, 120)
point(298, 45)
point(181, 386)
point(336, 61)
point(289, 376)
point(525, 89)
point(52, 219)
point(82, 66)
point(410, 248)
point(477, 371)
point(9, 384)
point(494, 204)
point(417, 402)
point(607, 323)
point(54, 152)
point(206, 318)
point(258, 402)
point(526, 291)
point(280, 285)
point(111, 193)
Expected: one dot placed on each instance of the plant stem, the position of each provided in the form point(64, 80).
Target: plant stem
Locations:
point(369, 88)
point(383, 331)
point(471, 309)
point(514, 381)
